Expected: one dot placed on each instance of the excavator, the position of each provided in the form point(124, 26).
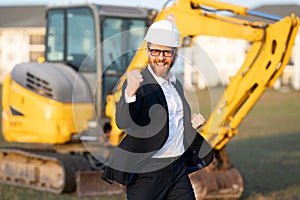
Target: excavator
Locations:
point(58, 115)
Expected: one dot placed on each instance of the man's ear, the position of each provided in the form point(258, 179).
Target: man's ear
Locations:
point(147, 51)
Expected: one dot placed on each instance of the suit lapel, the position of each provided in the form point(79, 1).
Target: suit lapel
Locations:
point(179, 89)
point(149, 81)
point(188, 135)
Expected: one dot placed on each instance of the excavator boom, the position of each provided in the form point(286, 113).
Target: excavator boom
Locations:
point(269, 53)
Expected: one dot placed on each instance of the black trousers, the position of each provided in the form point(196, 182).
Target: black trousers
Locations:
point(168, 183)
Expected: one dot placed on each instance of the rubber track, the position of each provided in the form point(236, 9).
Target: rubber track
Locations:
point(70, 164)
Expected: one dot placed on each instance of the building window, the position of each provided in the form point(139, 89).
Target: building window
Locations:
point(37, 39)
point(291, 61)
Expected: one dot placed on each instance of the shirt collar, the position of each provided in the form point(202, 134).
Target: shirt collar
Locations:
point(171, 78)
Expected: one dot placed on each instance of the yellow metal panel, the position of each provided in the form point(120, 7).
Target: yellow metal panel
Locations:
point(41, 120)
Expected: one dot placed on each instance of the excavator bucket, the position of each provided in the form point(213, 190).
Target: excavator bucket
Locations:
point(89, 183)
point(220, 180)
point(210, 184)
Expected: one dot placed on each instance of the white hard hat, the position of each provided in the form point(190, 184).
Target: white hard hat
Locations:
point(164, 33)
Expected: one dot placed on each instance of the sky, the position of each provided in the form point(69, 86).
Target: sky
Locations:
point(157, 4)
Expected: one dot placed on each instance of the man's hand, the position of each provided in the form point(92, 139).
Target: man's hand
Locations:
point(134, 79)
point(197, 121)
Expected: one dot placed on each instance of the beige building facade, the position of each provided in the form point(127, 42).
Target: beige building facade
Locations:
point(212, 60)
point(22, 33)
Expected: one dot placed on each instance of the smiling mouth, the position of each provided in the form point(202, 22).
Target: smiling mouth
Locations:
point(161, 64)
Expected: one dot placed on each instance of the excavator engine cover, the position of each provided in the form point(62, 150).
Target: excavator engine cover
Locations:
point(39, 103)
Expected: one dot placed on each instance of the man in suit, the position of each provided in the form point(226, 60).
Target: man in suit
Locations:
point(162, 145)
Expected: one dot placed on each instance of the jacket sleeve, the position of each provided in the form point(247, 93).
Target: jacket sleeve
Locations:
point(127, 112)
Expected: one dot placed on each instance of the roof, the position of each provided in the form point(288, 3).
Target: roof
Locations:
point(278, 10)
point(22, 16)
point(34, 16)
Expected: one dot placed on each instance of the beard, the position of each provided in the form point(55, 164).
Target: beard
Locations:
point(161, 68)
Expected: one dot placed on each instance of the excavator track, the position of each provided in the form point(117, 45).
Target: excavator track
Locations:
point(40, 170)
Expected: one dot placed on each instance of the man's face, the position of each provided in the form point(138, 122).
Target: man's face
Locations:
point(161, 62)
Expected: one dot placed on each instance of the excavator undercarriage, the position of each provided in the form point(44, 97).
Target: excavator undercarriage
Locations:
point(55, 169)
point(41, 170)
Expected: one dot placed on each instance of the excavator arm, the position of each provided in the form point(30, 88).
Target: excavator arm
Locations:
point(265, 61)
point(271, 46)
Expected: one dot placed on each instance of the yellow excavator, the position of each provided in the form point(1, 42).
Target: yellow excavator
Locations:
point(58, 115)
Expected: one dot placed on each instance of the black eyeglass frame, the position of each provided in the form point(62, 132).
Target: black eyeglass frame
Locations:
point(157, 52)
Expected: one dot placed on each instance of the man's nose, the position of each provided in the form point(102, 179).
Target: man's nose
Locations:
point(161, 56)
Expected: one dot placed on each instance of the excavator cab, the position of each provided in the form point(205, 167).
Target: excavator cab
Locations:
point(98, 42)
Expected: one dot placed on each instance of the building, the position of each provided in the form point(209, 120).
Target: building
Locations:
point(211, 61)
point(22, 32)
point(227, 55)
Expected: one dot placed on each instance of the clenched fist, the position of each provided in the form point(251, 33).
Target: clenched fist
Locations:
point(134, 79)
point(197, 121)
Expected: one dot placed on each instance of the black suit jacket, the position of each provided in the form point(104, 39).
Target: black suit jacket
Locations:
point(146, 123)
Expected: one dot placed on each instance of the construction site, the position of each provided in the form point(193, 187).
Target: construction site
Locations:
point(62, 72)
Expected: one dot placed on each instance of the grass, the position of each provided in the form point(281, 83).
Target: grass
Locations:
point(16, 193)
point(266, 151)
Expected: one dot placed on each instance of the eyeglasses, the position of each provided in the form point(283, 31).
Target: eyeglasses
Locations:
point(166, 53)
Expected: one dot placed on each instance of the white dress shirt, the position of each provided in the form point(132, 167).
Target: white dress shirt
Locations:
point(174, 145)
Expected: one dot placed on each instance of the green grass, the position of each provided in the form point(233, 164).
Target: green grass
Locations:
point(17, 193)
point(266, 151)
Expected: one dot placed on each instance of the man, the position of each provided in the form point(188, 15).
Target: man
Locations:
point(161, 146)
